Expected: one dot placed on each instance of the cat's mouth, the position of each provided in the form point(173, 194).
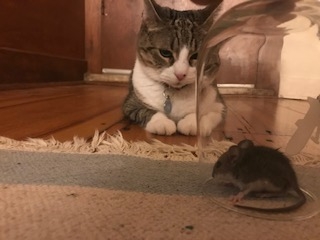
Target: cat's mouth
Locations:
point(178, 85)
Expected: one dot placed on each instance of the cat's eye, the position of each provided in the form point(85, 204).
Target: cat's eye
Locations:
point(194, 56)
point(166, 53)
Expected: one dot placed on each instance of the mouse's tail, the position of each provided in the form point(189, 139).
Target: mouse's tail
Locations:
point(301, 200)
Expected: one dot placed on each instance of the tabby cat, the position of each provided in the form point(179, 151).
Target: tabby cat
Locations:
point(162, 85)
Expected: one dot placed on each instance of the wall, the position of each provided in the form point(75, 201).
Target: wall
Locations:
point(300, 70)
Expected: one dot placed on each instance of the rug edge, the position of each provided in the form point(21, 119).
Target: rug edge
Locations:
point(103, 143)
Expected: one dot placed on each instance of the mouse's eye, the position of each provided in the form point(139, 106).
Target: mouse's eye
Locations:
point(218, 164)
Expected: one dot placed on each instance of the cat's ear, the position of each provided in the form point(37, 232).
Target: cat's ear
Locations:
point(208, 14)
point(151, 10)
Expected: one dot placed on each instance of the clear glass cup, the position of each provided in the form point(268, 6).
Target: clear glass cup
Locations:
point(288, 33)
point(289, 29)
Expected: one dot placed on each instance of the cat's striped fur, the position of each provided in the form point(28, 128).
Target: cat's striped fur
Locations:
point(165, 69)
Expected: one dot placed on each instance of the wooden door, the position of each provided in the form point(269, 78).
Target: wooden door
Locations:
point(120, 26)
point(41, 41)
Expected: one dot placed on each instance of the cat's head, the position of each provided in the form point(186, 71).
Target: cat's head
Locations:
point(169, 42)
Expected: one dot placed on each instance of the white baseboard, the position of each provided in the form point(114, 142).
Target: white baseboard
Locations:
point(123, 76)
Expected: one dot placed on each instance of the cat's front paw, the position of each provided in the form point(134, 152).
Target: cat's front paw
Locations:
point(160, 124)
point(209, 122)
point(188, 125)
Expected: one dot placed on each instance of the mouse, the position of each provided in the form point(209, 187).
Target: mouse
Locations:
point(258, 169)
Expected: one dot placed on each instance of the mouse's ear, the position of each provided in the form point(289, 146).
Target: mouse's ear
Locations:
point(245, 144)
point(233, 154)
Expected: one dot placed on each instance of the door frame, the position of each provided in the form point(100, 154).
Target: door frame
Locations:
point(94, 10)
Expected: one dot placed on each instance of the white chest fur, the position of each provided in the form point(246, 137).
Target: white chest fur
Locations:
point(152, 92)
point(183, 102)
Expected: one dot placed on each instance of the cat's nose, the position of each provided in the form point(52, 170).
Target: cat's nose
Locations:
point(180, 76)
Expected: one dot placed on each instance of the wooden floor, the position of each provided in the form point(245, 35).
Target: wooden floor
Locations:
point(66, 111)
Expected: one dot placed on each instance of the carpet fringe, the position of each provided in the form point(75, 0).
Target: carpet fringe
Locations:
point(103, 143)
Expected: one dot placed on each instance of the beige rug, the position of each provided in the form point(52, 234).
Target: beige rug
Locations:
point(112, 189)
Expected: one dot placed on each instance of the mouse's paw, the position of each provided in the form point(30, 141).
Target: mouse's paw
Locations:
point(237, 198)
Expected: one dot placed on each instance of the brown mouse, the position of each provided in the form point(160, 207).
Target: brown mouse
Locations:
point(258, 169)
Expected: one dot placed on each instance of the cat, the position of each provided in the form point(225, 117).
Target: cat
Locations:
point(161, 95)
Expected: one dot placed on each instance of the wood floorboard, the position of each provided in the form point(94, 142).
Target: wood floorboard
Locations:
point(44, 117)
point(87, 127)
point(66, 111)
point(262, 116)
